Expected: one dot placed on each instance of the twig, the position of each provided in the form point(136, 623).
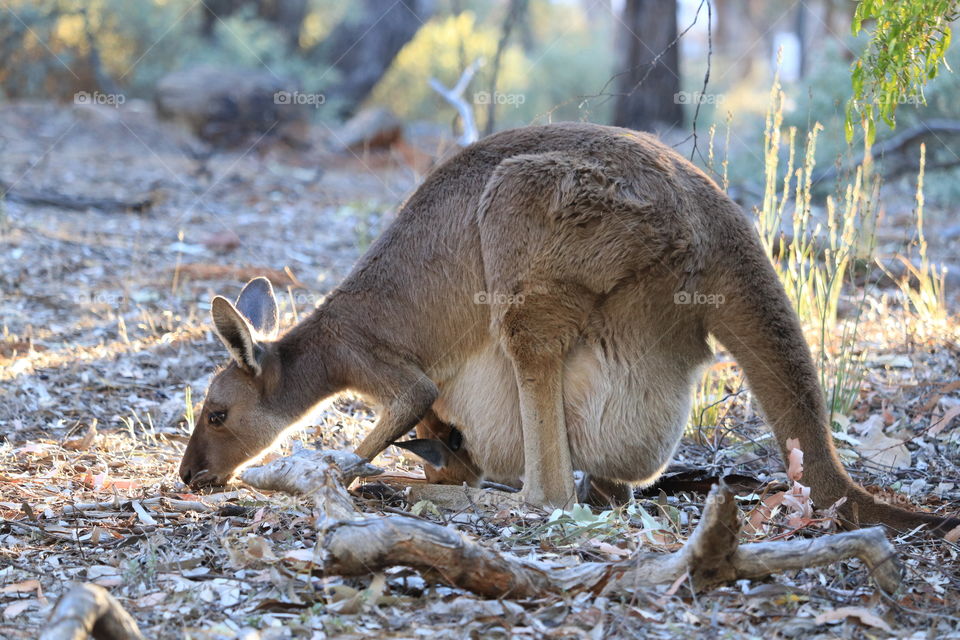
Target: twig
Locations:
point(35, 529)
point(706, 81)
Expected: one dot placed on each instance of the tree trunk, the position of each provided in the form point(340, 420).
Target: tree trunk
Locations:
point(648, 85)
point(363, 45)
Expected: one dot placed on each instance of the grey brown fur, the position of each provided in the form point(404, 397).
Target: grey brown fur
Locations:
point(527, 293)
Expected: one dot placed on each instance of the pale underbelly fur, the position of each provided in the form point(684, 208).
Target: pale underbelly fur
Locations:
point(624, 416)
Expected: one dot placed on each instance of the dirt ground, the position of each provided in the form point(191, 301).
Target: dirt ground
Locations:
point(106, 345)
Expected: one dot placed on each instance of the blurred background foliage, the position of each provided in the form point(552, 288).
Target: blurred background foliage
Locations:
point(561, 61)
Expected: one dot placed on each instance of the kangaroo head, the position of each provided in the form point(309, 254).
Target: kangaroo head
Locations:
point(240, 418)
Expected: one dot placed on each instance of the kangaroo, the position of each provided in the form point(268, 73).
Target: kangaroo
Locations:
point(567, 260)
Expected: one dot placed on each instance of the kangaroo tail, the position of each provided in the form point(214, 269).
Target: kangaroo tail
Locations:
point(758, 325)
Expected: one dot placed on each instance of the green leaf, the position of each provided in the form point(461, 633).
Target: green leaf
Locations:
point(908, 43)
point(422, 505)
point(582, 514)
point(856, 78)
point(848, 123)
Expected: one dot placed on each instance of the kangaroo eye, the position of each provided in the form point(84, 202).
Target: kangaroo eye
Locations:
point(217, 418)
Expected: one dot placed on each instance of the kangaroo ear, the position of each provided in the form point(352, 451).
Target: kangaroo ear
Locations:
point(258, 305)
point(236, 333)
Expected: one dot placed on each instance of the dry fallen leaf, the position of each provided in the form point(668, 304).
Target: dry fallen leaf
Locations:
point(300, 555)
point(864, 615)
point(16, 608)
point(794, 460)
point(797, 499)
point(939, 424)
point(609, 549)
point(764, 511)
point(879, 448)
point(21, 587)
point(222, 241)
point(101, 481)
point(897, 361)
point(249, 551)
point(142, 513)
point(953, 535)
point(151, 600)
point(83, 443)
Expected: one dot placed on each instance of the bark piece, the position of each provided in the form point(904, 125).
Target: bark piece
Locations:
point(443, 555)
point(88, 609)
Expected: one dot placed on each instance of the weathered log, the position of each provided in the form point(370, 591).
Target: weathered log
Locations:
point(895, 145)
point(374, 128)
point(88, 609)
point(74, 203)
point(712, 555)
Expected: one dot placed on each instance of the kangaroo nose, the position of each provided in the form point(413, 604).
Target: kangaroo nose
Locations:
point(185, 475)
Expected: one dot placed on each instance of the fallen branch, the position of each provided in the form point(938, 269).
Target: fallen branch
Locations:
point(455, 97)
point(710, 557)
point(896, 144)
point(352, 546)
point(74, 203)
point(88, 609)
point(319, 475)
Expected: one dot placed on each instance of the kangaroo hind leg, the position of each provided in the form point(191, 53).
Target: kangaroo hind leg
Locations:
point(556, 236)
